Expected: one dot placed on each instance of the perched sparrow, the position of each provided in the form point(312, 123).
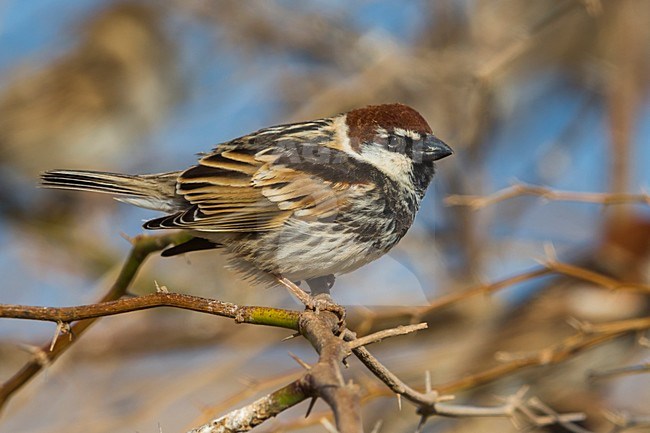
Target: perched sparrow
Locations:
point(304, 201)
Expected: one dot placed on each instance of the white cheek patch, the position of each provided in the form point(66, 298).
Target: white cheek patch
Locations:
point(394, 165)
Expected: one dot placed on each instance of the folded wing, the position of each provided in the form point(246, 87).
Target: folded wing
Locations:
point(240, 189)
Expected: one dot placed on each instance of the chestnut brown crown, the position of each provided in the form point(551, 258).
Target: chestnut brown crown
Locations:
point(364, 122)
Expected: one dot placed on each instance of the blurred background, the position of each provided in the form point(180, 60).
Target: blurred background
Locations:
point(551, 92)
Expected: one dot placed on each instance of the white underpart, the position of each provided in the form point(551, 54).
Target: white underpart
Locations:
point(304, 257)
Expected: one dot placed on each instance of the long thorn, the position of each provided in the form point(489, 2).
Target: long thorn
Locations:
point(291, 337)
point(302, 363)
point(423, 421)
point(312, 402)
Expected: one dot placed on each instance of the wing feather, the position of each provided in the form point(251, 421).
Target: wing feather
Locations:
point(257, 184)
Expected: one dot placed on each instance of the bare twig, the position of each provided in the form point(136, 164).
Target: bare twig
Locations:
point(593, 277)
point(549, 416)
point(324, 379)
point(617, 327)
point(620, 371)
point(244, 419)
point(250, 390)
point(378, 336)
point(515, 406)
point(242, 314)
point(519, 189)
point(395, 385)
point(486, 289)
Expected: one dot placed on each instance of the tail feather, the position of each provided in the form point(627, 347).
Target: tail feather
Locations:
point(109, 183)
point(153, 191)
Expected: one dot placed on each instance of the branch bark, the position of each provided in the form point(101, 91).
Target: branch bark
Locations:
point(325, 378)
point(242, 314)
point(254, 414)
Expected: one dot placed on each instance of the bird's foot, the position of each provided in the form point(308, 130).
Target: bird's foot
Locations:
point(320, 299)
point(324, 302)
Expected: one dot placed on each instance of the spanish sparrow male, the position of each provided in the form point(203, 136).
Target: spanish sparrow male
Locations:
point(303, 201)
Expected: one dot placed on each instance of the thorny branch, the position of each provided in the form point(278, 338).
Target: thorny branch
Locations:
point(381, 335)
point(321, 380)
point(324, 379)
point(242, 314)
point(433, 401)
point(429, 401)
point(244, 419)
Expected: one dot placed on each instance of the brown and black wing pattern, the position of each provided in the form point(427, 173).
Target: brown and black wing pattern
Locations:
point(256, 183)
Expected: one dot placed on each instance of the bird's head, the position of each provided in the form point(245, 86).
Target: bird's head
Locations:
point(394, 128)
point(395, 138)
